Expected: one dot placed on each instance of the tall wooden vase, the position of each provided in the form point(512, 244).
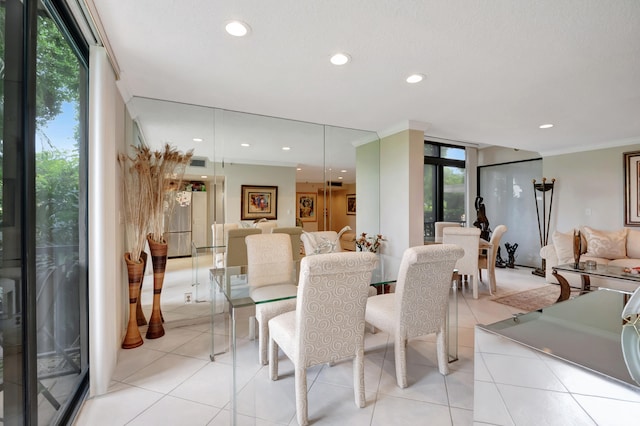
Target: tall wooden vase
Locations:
point(159, 261)
point(135, 271)
point(141, 319)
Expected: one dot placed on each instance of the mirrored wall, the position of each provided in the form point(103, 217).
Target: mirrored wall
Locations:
point(322, 177)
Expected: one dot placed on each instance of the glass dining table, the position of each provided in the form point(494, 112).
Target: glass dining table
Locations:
point(233, 284)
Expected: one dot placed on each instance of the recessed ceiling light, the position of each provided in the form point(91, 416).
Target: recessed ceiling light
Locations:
point(245, 144)
point(198, 139)
point(298, 169)
point(286, 148)
point(339, 177)
point(237, 28)
point(415, 78)
point(546, 126)
point(203, 177)
point(340, 59)
point(343, 171)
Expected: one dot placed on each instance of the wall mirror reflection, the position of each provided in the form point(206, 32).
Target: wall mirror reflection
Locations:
point(298, 173)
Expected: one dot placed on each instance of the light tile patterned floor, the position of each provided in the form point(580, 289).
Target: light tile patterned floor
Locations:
point(171, 380)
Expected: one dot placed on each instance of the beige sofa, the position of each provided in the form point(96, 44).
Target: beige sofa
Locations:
point(618, 248)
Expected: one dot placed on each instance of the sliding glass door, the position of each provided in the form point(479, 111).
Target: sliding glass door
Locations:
point(43, 235)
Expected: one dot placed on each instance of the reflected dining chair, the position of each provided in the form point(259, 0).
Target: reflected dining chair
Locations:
point(419, 305)
point(267, 226)
point(294, 233)
point(487, 260)
point(320, 242)
point(219, 233)
point(269, 262)
point(328, 323)
point(439, 226)
point(236, 254)
point(469, 240)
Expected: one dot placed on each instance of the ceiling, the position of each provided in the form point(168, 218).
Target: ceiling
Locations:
point(495, 70)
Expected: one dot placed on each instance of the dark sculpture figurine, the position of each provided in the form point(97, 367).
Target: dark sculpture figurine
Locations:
point(482, 222)
point(511, 250)
point(500, 262)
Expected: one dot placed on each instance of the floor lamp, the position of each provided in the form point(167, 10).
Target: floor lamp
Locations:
point(543, 225)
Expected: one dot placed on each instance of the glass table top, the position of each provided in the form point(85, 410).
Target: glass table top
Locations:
point(604, 271)
point(586, 331)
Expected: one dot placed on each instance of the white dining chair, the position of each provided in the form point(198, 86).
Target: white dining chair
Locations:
point(269, 262)
point(328, 323)
point(419, 305)
point(439, 226)
point(487, 260)
point(469, 240)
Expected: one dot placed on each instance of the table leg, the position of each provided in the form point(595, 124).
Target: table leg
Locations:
point(565, 289)
point(586, 284)
point(234, 407)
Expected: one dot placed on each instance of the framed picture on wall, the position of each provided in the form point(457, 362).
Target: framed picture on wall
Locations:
point(351, 203)
point(632, 188)
point(307, 206)
point(259, 202)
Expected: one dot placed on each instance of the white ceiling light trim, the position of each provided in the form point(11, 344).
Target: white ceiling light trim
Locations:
point(340, 59)
point(546, 126)
point(237, 28)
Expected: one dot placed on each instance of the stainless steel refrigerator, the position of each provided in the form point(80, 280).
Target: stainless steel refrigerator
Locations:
point(177, 225)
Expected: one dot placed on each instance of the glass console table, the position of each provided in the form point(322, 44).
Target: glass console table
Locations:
point(233, 283)
point(608, 272)
point(196, 263)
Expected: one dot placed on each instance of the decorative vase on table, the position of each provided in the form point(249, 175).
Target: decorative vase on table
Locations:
point(135, 272)
point(159, 261)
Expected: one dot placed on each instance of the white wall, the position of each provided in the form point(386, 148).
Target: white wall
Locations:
point(394, 193)
point(284, 178)
point(107, 277)
point(368, 188)
point(589, 188)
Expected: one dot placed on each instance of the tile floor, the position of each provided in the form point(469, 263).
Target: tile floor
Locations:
point(171, 380)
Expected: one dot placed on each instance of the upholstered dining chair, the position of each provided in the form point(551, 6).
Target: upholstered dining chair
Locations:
point(328, 323)
point(439, 226)
point(419, 305)
point(219, 233)
point(294, 233)
point(469, 240)
point(236, 254)
point(320, 242)
point(483, 259)
point(269, 262)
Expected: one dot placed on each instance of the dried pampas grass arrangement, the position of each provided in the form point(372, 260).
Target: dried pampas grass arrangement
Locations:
point(147, 176)
point(136, 199)
point(167, 170)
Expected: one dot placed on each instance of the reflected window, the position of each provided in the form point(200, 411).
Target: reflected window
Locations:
point(444, 186)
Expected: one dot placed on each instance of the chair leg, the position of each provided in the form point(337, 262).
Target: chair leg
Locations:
point(474, 284)
point(358, 379)
point(301, 396)
point(401, 361)
point(273, 359)
point(252, 328)
point(263, 342)
point(480, 274)
point(441, 349)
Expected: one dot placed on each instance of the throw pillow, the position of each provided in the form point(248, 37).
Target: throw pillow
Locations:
point(563, 243)
point(606, 244)
point(633, 244)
